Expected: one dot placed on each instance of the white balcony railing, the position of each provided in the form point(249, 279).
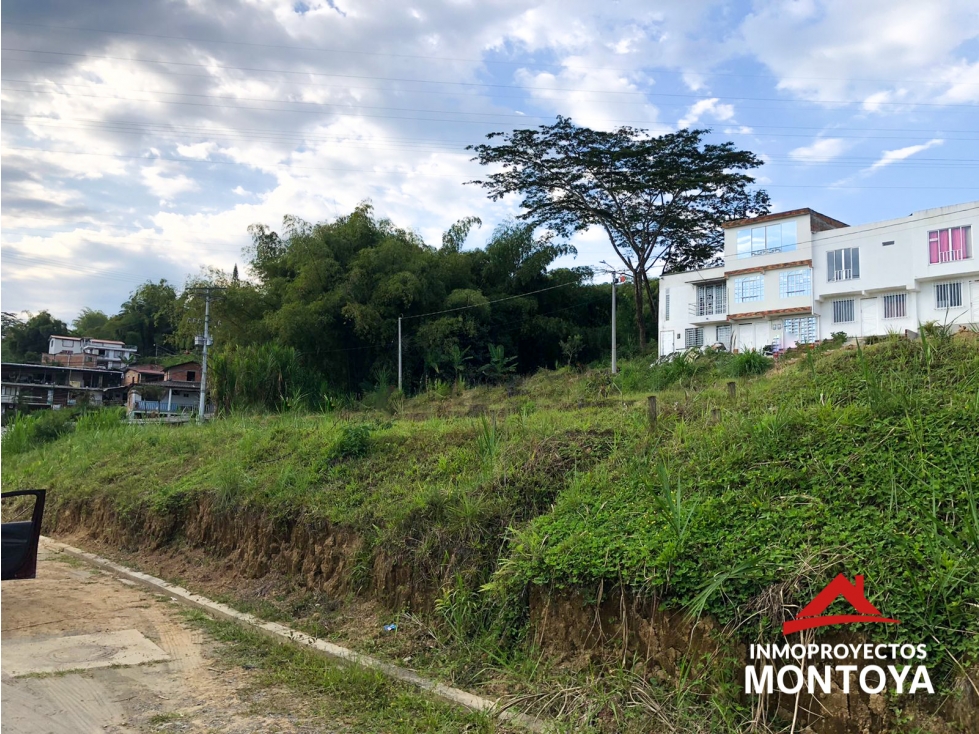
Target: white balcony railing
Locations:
point(947, 256)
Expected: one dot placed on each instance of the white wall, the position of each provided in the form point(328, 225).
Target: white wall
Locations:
point(682, 291)
point(902, 267)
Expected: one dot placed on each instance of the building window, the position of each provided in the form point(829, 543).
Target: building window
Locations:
point(711, 299)
point(946, 245)
point(749, 288)
point(896, 306)
point(888, 243)
point(67, 342)
point(802, 330)
point(843, 311)
point(766, 240)
point(666, 305)
point(948, 295)
point(724, 334)
point(843, 264)
point(795, 283)
point(693, 338)
point(191, 376)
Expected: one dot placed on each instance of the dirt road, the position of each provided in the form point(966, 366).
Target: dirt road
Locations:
point(83, 651)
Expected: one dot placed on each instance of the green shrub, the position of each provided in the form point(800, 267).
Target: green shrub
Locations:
point(19, 434)
point(30, 430)
point(749, 363)
point(354, 441)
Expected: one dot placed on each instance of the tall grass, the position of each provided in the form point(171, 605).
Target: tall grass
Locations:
point(693, 368)
point(30, 430)
point(263, 377)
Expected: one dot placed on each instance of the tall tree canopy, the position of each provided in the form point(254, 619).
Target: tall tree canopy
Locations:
point(91, 323)
point(659, 199)
point(26, 341)
point(316, 312)
point(147, 319)
point(334, 292)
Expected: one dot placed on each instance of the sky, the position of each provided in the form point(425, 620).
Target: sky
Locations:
point(140, 140)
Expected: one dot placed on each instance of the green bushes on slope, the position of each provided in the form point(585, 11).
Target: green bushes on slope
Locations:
point(854, 461)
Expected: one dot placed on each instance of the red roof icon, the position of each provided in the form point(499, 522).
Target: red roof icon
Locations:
point(809, 616)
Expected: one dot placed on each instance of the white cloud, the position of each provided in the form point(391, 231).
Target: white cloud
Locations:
point(712, 107)
point(887, 158)
point(603, 98)
point(822, 150)
point(350, 125)
point(164, 186)
point(840, 51)
point(893, 156)
point(197, 151)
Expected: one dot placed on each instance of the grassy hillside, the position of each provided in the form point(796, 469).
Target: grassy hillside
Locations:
point(853, 461)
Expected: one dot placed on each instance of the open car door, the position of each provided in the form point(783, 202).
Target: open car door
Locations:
point(19, 538)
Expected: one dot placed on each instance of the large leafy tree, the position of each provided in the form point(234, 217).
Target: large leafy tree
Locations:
point(147, 319)
point(659, 199)
point(90, 322)
point(26, 341)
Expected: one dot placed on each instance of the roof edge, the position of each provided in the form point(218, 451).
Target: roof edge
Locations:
point(828, 222)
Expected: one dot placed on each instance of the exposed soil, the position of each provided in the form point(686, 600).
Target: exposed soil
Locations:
point(301, 575)
point(191, 692)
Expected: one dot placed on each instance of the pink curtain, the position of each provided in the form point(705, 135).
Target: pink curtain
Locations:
point(933, 246)
point(958, 243)
point(943, 245)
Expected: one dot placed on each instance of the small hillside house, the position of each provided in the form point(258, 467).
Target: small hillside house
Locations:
point(83, 351)
point(176, 392)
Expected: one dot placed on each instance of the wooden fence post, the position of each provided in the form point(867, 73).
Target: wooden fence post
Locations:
point(715, 415)
point(732, 389)
point(651, 406)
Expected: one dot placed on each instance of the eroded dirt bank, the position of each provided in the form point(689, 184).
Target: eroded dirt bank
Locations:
point(223, 551)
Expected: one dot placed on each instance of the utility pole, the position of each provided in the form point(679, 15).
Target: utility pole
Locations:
point(615, 283)
point(205, 341)
point(399, 355)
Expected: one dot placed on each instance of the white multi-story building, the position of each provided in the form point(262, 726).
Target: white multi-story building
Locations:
point(74, 351)
point(800, 276)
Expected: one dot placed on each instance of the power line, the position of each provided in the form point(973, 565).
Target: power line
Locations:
point(423, 145)
point(89, 235)
point(830, 133)
point(250, 69)
point(437, 175)
point(486, 84)
point(399, 90)
point(487, 303)
point(422, 148)
point(495, 62)
point(493, 123)
point(266, 99)
point(434, 147)
point(43, 262)
point(849, 230)
point(54, 262)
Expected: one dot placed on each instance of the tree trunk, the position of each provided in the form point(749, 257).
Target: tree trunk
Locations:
point(640, 322)
point(653, 302)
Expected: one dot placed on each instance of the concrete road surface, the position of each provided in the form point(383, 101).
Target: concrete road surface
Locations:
point(83, 651)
